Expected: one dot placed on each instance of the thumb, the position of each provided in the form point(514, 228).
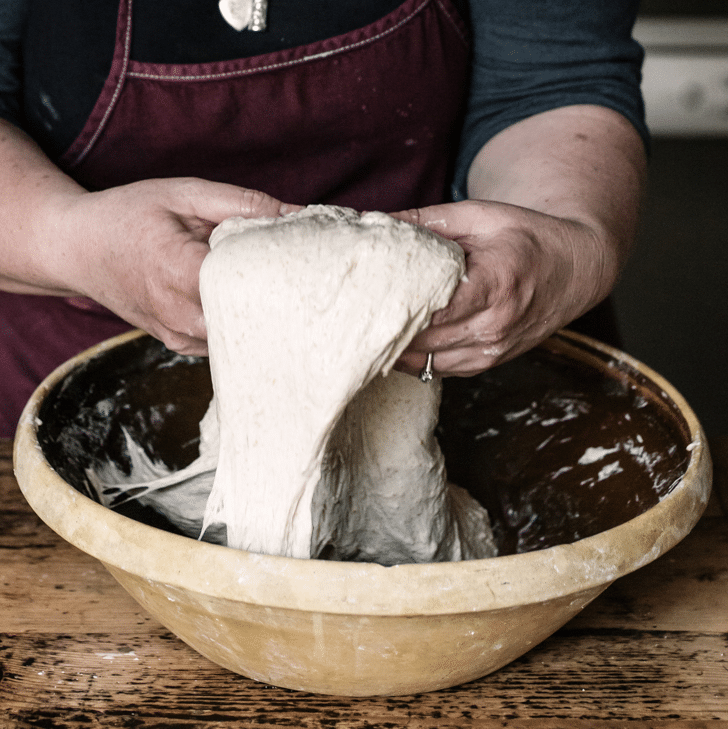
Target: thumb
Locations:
point(216, 201)
point(441, 219)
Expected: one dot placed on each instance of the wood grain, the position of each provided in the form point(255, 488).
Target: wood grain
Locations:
point(75, 651)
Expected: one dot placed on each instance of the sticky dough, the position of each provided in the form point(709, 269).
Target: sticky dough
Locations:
point(312, 446)
point(323, 451)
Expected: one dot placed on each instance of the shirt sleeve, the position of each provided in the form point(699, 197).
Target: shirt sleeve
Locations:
point(530, 56)
point(12, 17)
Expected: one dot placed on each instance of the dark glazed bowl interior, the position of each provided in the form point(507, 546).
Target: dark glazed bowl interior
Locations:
point(563, 443)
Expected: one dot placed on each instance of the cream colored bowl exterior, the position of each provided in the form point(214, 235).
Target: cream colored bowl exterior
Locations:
point(347, 628)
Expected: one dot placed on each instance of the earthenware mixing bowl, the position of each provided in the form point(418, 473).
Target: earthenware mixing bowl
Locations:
point(591, 466)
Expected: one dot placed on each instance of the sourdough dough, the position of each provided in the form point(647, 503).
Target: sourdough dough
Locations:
point(303, 313)
point(180, 496)
point(317, 448)
point(383, 495)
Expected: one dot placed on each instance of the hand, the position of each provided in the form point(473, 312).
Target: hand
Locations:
point(137, 250)
point(527, 275)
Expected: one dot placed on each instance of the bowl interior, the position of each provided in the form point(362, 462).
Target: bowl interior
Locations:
point(563, 443)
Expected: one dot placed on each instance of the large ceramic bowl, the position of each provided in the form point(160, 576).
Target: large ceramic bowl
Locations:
point(591, 465)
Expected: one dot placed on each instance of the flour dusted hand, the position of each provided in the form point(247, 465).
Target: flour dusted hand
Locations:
point(303, 312)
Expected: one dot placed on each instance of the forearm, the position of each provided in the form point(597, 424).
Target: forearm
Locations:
point(33, 192)
point(580, 163)
point(553, 209)
point(135, 249)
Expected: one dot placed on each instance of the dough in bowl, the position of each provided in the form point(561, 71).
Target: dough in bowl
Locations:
point(313, 447)
point(324, 450)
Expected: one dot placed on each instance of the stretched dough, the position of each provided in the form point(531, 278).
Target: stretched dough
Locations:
point(383, 495)
point(303, 313)
point(311, 446)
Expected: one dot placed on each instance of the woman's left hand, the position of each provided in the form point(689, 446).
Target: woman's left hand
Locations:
point(567, 183)
point(527, 275)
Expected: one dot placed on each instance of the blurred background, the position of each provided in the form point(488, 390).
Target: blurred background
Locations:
point(672, 301)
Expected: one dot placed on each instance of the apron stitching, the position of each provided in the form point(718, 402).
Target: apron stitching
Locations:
point(117, 90)
point(274, 66)
point(453, 22)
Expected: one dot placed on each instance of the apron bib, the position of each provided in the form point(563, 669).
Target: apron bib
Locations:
point(368, 119)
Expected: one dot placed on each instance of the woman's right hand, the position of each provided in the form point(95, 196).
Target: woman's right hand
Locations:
point(137, 250)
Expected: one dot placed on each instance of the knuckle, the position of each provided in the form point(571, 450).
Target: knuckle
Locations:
point(180, 343)
point(185, 186)
point(253, 201)
point(414, 216)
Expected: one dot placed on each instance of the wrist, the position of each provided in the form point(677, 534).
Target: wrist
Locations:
point(60, 265)
point(34, 192)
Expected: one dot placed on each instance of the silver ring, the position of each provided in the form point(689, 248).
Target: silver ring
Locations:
point(426, 374)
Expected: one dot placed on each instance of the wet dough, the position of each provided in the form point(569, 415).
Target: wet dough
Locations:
point(312, 446)
point(323, 451)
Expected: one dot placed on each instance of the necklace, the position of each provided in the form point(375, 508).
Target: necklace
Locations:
point(242, 14)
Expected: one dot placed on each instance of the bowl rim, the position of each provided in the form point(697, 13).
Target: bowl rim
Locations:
point(350, 588)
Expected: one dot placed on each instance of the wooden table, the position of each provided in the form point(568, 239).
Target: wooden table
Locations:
point(76, 651)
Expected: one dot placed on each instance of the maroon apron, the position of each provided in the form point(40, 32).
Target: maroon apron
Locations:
point(368, 119)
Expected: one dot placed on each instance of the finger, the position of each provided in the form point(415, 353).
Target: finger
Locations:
point(174, 307)
point(461, 362)
point(216, 201)
point(473, 328)
point(187, 334)
point(415, 363)
point(189, 321)
point(191, 340)
point(183, 344)
point(457, 221)
point(440, 219)
point(439, 338)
